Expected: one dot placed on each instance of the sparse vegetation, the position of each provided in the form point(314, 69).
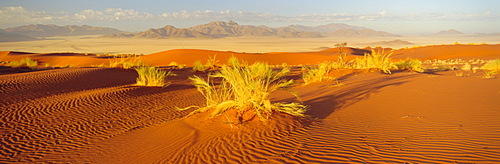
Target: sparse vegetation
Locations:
point(492, 66)
point(246, 88)
point(176, 65)
point(342, 53)
point(211, 62)
point(126, 61)
point(151, 76)
point(319, 73)
point(26, 62)
point(198, 66)
point(410, 64)
point(375, 60)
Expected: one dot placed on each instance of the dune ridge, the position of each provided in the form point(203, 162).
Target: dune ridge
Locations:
point(189, 56)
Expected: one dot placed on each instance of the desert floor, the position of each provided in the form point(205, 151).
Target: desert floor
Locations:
point(86, 114)
point(93, 44)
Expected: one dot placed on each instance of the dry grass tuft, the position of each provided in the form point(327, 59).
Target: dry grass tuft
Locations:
point(198, 66)
point(126, 62)
point(410, 64)
point(492, 66)
point(246, 89)
point(151, 76)
point(376, 60)
point(26, 62)
point(320, 73)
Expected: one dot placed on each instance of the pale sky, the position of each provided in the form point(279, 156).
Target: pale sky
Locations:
point(394, 16)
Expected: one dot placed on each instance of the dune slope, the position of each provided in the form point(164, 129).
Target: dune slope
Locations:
point(404, 117)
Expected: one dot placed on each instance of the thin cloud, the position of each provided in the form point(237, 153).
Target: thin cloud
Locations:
point(111, 14)
point(19, 15)
point(11, 15)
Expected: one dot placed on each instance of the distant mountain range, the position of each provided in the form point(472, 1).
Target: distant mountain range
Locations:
point(218, 29)
point(361, 33)
point(449, 32)
point(222, 29)
point(329, 28)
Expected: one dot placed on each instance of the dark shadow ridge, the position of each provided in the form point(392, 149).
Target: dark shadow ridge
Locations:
point(345, 96)
point(146, 90)
point(359, 52)
point(5, 70)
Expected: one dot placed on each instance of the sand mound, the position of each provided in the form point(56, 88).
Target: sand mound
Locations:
point(451, 52)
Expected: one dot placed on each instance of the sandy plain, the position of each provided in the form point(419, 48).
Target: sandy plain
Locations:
point(93, 44)
point(86, 114)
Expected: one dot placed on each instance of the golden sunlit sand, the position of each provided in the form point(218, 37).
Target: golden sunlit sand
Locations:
point(69, 110)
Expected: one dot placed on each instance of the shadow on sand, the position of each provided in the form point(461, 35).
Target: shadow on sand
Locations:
point(329, 99)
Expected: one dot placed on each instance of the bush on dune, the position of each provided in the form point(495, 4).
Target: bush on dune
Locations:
point(198, 66)
point(375, 60)
point(492, 66)
point(320, 73)
point(26, 62)
point(151, 76)
point(245, 88)
point(126, 62)
point(410, 64)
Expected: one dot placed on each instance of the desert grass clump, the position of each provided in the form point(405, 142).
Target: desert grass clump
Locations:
point(26, 62)
point(319, 73)
point(212, 62)
point(410, 64)
point(151, 76)
point(126, 62)
point(375, 60)
point(199, 67)
point(245, 88)
point(492, 66)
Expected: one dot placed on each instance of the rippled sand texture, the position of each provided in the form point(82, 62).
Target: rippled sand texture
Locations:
point(97, 115)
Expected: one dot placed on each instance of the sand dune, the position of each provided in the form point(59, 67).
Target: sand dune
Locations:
point(98, 115)
point(189, 56)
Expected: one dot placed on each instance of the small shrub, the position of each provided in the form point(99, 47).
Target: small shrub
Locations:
point(26, 62)
point(197, 66)
point(126, 62)
point(319, 73)
point(245, 88)
point(151, 76)
point(211, 62)
point(493, 66)
point(342, 53)
point(15, 64)
point(376, 60)
point(410, 64)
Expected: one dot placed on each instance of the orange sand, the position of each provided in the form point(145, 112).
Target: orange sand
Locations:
point(97, 115)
